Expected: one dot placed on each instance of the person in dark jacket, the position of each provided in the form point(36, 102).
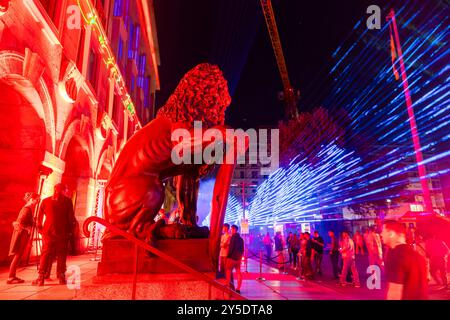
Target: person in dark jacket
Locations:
point(234, 257)
point(21, 235)
point(317, 246)
point(334, 254)
point(56, 231)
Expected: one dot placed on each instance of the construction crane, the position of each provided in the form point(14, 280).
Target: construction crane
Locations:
point(290, 96)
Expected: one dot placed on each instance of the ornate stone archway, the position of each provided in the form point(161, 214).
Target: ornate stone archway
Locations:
point(24, 74)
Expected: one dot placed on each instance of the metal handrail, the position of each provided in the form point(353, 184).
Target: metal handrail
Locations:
point(158, 253)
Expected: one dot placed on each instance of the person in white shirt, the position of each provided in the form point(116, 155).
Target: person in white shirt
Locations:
point(374, 248)
point(224, 246)
point(347, 250)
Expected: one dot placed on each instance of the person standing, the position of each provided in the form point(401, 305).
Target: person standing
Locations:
point(305, 252)
point(405, 268)
point(347, 250)
point(359, 244)
point(317, 245)
point(234, 257)
point(334, 254)
point(295, 247)
point(268, 242)
point(21, 235)
point(279, 250)
point(438, 252)
point(374, 248)
point(288, 245)
point(224, 245)
point(56, 232)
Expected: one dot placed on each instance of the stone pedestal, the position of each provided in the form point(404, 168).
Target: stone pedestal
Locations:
point(181, 286)
point(118, 257)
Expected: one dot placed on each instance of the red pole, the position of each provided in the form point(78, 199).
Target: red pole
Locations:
point(243, 200)
point(412, 119)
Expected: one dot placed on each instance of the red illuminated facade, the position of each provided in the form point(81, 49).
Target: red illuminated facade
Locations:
point(77, 79)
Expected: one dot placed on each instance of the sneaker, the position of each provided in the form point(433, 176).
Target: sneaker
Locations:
point(38, 282)
point(357, 285)
point(238, 291)
point(62, 281)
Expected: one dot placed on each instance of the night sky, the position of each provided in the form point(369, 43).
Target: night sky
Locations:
point(233, 34)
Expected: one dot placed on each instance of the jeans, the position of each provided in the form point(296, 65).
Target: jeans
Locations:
point(349, 265)
point(57, 248)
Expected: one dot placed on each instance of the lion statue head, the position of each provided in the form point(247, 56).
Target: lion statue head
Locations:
point(201, 95)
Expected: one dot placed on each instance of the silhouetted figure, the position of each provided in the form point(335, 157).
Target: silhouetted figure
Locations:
point(295, 248)
point(234, 258)
point(56, 231)
point(21, 235)
point(268, 242)
point(317, 245)
point(305, 253)
point(334, 254)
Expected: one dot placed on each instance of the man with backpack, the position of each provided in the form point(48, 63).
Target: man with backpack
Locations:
point(234, 257)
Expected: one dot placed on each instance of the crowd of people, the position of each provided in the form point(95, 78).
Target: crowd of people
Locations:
point(407, 261)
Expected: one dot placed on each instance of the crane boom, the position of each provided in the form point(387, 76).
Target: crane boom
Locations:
point(290, 97)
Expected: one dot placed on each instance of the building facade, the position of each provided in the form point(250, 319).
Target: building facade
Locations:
point(248, 176)
point(77, 79)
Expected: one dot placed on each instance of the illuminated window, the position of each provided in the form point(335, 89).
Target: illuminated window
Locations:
point(126, 11)
point(147, 102)
point(118, 112)
point(416, 207)
point(142, 64)
point(118, 8)
point(92, 68)
point(120, 49)
point(130, 40)
point(134, 38)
